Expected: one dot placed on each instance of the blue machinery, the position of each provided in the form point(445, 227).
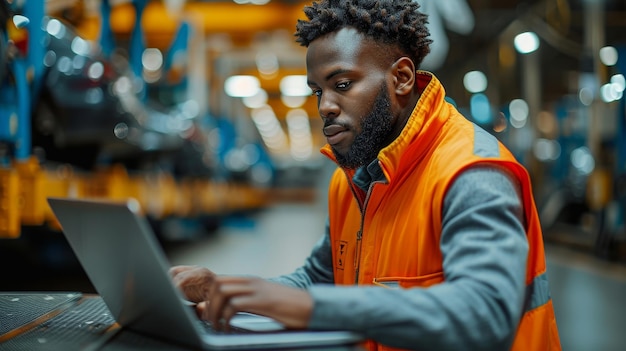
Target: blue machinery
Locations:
point(18, 95)
point(26, 70)
point(25, 185)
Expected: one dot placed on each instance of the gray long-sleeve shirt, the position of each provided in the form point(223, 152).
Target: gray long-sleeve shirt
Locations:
point(479, 305)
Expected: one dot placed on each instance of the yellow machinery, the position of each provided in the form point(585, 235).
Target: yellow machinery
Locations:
point(25, 187)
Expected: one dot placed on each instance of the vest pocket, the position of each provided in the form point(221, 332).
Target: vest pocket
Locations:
point(422, 281)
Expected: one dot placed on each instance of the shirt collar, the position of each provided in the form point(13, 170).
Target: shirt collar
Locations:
point(365, 175)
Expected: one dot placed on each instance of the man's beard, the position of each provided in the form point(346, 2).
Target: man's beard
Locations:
point(375, 132)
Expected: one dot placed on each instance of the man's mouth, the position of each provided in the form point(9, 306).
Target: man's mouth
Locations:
point(334, 133)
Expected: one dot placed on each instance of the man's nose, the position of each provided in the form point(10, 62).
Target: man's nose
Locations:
point(327, 107)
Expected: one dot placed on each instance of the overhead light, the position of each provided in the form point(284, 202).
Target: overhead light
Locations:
point(267, 64)
point(582, 160)
point(253, 2)
point(152, 59)
point(55, 28)
point(270, 129)
point(300, 139)
point(619, 81)
point(80, 46)
point(295, 85)
point(175, 7)
point(547, 150)
point(526, 42)
point(190, 109)
point(475, 82)
point(242, 86)
point(20, 21)
point(609, 93)
point(585, 95)
point(608, 55)
point(257, 100)
point(519, 111)
point(293, 101)
point(95, 71)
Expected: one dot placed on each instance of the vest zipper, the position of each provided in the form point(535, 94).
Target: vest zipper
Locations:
point(357, 256)
point(359, 234)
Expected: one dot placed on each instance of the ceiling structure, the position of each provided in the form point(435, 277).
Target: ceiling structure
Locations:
point(560, 24)
point(564, 19)
point(565, 29)
point(562, 28)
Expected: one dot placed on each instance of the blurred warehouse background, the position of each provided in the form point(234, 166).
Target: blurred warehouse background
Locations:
point(199, 109)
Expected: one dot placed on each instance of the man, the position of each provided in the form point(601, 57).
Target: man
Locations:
point(433, 241)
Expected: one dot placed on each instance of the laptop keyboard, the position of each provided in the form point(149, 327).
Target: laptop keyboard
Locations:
point(208, 327)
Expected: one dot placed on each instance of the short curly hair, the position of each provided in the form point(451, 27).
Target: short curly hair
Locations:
point(393, 22)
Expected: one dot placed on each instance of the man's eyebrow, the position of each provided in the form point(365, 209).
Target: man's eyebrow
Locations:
point(336, 72)
point(330, 75)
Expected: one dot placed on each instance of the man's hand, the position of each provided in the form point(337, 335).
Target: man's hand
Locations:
point(219, 298)
point(194, 281)
point(228, 295)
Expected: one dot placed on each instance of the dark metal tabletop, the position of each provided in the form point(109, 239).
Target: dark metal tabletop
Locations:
point(73, 321)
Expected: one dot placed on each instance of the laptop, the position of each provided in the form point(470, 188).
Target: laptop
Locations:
point(122, 257)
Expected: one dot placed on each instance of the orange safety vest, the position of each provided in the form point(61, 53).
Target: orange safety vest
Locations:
point(395, 238)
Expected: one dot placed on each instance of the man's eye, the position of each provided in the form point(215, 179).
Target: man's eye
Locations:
point(343, 85)
point(317, 93)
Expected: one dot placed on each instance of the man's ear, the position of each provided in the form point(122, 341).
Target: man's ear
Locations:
point(404, 75)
